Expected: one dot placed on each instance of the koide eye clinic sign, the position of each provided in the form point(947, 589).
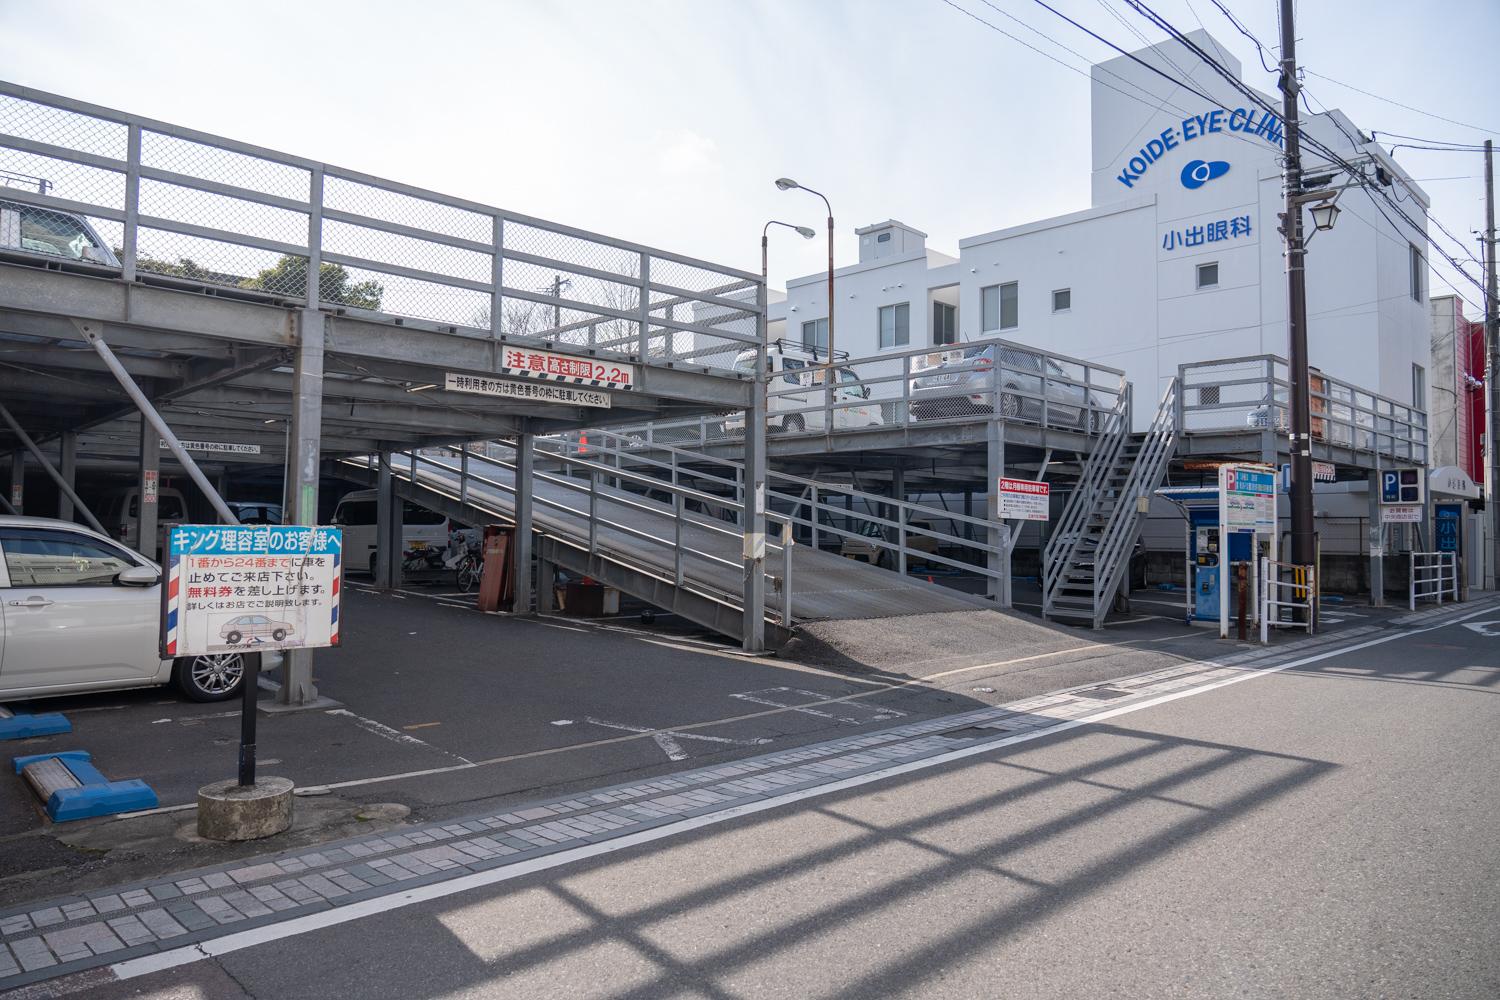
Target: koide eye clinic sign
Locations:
point(1240, 121)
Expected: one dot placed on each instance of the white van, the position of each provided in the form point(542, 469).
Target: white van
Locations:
point(421, 528)
point(796, 397)
point(121, 508)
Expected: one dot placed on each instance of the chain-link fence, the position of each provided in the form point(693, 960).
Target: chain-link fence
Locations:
point(154, 202)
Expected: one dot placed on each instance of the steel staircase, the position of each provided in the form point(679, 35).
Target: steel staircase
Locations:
point(1089, 553)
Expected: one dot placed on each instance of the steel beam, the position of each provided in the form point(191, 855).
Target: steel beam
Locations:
point(16, 496)
point(753, 632)
point(525, 485)
point(18, 466)
point(149, 414)
point(388, 511)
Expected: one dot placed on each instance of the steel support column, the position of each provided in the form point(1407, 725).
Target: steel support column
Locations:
point(754, 524)
point(16, 495)
point(546, 582)
point(1376, 544)
point(148, 482)
point(297, 688)
point(999, 561)
point(18, 468)
point(387, 543)
point(525, 487)
point(67, 467)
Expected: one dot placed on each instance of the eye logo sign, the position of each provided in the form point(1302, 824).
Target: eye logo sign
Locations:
point(1199, 172)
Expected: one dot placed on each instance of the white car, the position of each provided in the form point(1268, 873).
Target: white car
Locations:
point(79, 612)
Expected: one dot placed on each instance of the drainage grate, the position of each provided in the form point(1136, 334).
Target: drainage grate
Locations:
point(1105, 693)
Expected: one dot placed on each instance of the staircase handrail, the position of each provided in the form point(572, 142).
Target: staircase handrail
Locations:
point(1069, 532)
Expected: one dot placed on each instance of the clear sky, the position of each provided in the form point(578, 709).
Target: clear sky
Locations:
point(665, 121)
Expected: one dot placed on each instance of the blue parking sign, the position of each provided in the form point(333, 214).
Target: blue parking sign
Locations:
point(1390, 486)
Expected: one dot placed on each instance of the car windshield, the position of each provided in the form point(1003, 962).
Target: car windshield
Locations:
point(54, 233)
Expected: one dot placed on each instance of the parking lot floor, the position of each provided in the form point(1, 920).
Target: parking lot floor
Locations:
point(446, 709)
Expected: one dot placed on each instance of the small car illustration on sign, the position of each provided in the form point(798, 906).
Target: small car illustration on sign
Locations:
point(253, 627)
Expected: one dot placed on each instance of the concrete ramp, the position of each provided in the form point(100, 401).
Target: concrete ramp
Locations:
point(628, 540)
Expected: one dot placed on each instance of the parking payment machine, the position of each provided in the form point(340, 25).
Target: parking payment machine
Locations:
point(1212, 549)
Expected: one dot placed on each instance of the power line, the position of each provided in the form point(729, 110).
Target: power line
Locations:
point(1436, 142)
point(1408, 107)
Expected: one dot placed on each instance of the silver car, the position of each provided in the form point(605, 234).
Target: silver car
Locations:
point(960, 386)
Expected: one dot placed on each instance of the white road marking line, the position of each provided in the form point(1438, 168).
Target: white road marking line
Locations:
point(394, 735)
point(562, 722)
point(147, 964)
point(763, 697)
point(667, 738)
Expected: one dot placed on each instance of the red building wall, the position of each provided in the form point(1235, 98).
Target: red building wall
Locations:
point(1472, 337)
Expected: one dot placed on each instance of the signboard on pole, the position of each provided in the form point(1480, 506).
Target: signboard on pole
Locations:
point(1401, 514)
point(537, 392)
point(1248, 496)
point(1401, 486)
point(250, 588)
point(1024, 499)
point(544, 366)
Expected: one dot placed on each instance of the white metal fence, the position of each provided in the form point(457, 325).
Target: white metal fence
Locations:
point(104, 190)
point(1288, 591)
point(1431, 577)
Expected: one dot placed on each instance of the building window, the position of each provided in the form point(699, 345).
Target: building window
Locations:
point(1208, 275)
point(895, 325)
point(815, 335)
point(999, 307)
point(1062, 300)
point(1419, 387)
point(1417, 268)
point(944, 323)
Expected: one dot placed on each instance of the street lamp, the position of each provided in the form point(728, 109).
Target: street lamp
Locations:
point(787, 184)
point(1324, 216)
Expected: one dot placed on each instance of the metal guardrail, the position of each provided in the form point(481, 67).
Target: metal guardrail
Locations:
point(1253, 393)
point(916, 388)
point(895, 534)
point(457, 478)
point(182, 207)
point(1070, 529)
point(1430, 576)
point(1299, 595)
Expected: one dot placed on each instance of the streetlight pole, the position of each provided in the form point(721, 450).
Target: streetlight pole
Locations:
point(1301, 432)
point(1492, 354)
point(787, 184)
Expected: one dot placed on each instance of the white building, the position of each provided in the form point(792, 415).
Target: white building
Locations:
point(1177, 260)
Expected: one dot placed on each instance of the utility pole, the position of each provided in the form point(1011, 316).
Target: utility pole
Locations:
point(1296, 280)
point(1492, 357)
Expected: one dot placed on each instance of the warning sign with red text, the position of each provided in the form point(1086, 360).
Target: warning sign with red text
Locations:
point(1024, 499)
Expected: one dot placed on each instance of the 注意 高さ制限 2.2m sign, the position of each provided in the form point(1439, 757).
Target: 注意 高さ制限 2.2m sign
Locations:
point(544, 366)
point(538, 392)
point(1024, 499)
point(250, 588)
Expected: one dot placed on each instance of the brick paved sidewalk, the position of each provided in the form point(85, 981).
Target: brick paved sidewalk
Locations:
point(43, 940)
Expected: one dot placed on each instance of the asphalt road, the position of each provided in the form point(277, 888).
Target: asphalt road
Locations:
point(1326, 831)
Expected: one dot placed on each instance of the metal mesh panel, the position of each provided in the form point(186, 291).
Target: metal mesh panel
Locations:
point(216, 211)
point(566, 249)
point(214, 262)
point(404, 251)
point(61, 179)
point(42, 123)
point(195, 159)
point(377, 291)
point(358, 198)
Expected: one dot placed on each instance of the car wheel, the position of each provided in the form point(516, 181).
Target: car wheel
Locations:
point(1010, 405)
point(214, 677)
point(279, 634)
point(794, 424)
point(233, 638)
point(372, 567)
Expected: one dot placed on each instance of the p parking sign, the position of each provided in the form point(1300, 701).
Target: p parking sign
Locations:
point(1403, 486)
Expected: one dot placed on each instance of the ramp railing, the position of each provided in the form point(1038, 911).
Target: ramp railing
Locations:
point(584, 498)
point(1431, 577)
point(893, 533)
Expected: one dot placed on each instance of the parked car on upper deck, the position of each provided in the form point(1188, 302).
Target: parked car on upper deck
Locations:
point(32, 229)
point(796, 398)
point(960, 385)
